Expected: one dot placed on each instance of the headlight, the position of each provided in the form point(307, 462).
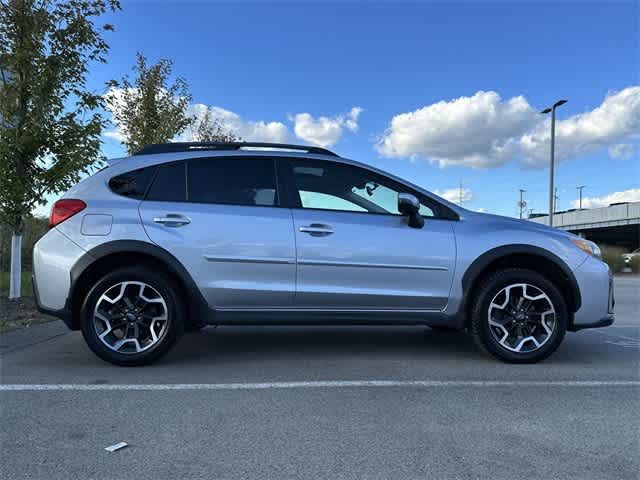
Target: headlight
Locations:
point(587, 247)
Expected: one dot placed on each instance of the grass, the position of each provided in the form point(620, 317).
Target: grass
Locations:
point(613, 257)
point(27, 289)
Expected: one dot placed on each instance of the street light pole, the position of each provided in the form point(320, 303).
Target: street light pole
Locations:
point(580, 190)
point(522, 203)
point(552, 159)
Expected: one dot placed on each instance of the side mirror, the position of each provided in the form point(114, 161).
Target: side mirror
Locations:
point(410, 206)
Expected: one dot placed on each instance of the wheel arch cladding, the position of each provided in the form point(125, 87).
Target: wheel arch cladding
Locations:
point(111, 255)
point(521, 256)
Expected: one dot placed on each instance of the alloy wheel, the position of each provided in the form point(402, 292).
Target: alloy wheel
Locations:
point(131, 317)
point(522, 318)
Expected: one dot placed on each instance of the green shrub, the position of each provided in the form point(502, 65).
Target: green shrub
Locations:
point(34, 228)
point(27, 288)
point(613, 257)
point(635, 264)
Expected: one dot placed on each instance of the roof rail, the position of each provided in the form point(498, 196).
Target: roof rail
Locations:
point(196, 146)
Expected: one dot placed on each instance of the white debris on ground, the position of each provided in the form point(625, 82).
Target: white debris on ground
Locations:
point(117, 446)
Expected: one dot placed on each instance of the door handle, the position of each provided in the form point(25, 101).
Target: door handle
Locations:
point(317, 230)
point(173, 220)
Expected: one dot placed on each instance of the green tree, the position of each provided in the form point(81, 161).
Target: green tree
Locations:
point(50, 123)
point(149, 110)
point(207, 128)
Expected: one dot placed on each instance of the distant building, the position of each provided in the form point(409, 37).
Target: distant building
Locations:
point(615, 225)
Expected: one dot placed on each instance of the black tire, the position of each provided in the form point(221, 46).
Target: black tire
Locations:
point(480, 329)
point(164, 286)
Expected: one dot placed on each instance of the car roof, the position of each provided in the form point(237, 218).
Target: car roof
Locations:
point(227, 146)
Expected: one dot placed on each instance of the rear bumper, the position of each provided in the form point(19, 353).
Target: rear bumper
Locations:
point(53, 257)
point(64, 313)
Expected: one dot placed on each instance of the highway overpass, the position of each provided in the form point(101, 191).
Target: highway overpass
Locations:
point(617, 224)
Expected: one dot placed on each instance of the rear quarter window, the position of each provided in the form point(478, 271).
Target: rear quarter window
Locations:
point(132, 184)
point(169, 184)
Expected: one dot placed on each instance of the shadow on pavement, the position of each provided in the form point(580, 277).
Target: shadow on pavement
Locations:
point(265, 343)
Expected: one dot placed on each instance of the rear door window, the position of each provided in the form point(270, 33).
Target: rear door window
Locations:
point(233, 181)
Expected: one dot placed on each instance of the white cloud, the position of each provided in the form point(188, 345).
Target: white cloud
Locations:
point(484, 131)
point(115, 133)
point(456, 194)
point(115, 101)
point(632, 195)
point(248, 130)
point(617, 118)
point(623, 151)
point(325, 131)
point(478, 131)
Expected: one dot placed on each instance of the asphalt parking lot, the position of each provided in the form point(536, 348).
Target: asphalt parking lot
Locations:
point(235, 403)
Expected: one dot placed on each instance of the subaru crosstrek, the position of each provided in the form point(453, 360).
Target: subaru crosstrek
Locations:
point(184, 235)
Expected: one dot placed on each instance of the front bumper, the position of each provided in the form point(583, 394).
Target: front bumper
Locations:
point(603, 322)
point(595, 282)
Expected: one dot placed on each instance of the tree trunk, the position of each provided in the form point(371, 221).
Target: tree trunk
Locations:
point(16, 267)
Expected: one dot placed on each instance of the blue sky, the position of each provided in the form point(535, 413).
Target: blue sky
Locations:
point(270, 62)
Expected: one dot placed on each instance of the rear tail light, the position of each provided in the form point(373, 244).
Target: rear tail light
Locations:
point(64, 209)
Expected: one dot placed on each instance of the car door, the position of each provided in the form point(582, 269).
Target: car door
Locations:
point(356, 252)
point(220, 217)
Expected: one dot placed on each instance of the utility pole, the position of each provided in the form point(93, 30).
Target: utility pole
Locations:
point(555, 200)
point(580, 193)
point(522, 204)
point(552, 109)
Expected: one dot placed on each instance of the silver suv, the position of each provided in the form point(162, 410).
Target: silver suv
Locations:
point(184, 235)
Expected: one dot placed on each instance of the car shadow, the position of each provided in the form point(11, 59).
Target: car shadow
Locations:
point(264, 343)
point(377, 345)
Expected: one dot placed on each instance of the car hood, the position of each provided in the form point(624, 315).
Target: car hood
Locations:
point(501, 222)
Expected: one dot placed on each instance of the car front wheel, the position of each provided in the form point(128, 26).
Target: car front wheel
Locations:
point(132, 316)
point(518, 316)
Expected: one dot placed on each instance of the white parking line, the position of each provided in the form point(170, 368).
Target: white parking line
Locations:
point(318, 384)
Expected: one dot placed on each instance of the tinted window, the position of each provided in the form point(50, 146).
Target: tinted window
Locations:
point(169, 184)
point(132, 184)
point(335, 186)
point(237, 181)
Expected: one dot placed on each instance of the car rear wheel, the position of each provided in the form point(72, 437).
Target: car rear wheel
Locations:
point(132, 316)
point(518, 316)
